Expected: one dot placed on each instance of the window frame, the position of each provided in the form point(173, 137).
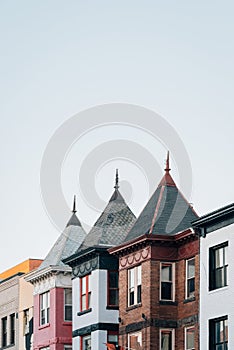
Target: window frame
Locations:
point(213, 285)
point(45, 308)
point(170, 331)
point(138, 334)
point(66, 304)
point(4, 331)
point(186, 330)
point(212, 332)
point(172, 264)
point(25, 321)
point(87, 293)
point(83, 338)
point(115, 334)
point(114, 289)
point(12, 329)
point(137, 285)
point(187, 295)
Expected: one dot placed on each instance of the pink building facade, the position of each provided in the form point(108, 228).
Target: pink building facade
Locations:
point(52, 328)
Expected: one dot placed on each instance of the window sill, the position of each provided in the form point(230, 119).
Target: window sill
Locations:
point(44, 326)
point(67, 323)
point(132, 307)
point(168, 302)
point(218, 289)
point(8, 346)
point(84, 312)
point(188, 300)
point(112, 307)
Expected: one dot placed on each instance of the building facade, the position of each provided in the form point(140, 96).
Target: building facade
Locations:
point(52, 328)
point(159, 275)
point(14, 299)
point(95, 277)
point(216, 279)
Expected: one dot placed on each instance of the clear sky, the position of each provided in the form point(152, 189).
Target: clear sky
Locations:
point(58, 58)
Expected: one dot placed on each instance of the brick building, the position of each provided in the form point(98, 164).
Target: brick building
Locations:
point(159, 274)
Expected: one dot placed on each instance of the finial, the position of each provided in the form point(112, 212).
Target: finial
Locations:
point(167, 169)
point(74, 205)
point(116, 180)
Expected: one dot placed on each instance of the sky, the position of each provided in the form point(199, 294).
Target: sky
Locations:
point(60, 58)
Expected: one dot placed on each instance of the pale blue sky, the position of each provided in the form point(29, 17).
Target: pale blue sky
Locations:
point(60, 57)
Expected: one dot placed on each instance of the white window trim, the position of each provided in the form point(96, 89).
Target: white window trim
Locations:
point(173, 280)
point(185, 336)
point(136, 334)
point(135, 269)
point(172, 336)
point(48, 307)
point(64, 297)
point(186, 277)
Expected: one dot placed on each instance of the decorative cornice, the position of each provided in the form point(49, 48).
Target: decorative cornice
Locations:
point(47, 272)
point(100, 261)
point(95, 327)
point(134, 258)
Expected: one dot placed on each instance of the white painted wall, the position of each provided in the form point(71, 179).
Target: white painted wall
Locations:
point(219, 302)
point(99, 313)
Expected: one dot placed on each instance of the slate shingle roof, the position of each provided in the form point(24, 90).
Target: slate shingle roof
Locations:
point(112, 226)
point(166, 213)
point(67, 243)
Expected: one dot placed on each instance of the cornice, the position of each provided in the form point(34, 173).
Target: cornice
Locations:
point(47, 272)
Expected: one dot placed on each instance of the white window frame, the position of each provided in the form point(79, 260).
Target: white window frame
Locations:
point(187, 278)
point(137, 281)
point(135, 334)
point(83, 338)
point(166, 330)
point(67, 304)
point(45, 308)
point(185, 337)
point(173, 280)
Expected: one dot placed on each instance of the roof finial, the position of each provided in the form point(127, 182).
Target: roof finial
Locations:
point(116, 180)
point(74, 205)
point(167, 169)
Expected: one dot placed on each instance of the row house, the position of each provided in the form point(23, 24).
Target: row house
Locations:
point(216, 278)
point(52, 290)
point(95, 277)
point(16, 306)
point(159, 274)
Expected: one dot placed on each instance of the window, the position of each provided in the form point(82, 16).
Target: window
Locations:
point(67, 347)
point(44, 308)
point(86, 342)
point(4, 331)
point(190, 338)
point(85, 293)
point(112, 338)
point(218, 334)
point(12, 329)
point(113, 288)
point(135, 341)
point(218, 266)
point(26, 321)
point(68, 304)
point(166, 339)
point(167, 276)
point(190, 278)
point(134, 286)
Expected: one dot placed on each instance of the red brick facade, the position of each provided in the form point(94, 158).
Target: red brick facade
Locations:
point(152, 314)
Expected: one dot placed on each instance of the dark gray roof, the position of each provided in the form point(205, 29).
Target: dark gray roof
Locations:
point(67, 243)
point(112, 226)
point(166, 213)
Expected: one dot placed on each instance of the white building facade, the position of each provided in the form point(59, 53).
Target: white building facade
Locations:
point(217, 279)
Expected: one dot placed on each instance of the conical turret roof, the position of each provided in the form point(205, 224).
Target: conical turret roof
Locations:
point(114, 223)
point(166, 213)
point(67, 243)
